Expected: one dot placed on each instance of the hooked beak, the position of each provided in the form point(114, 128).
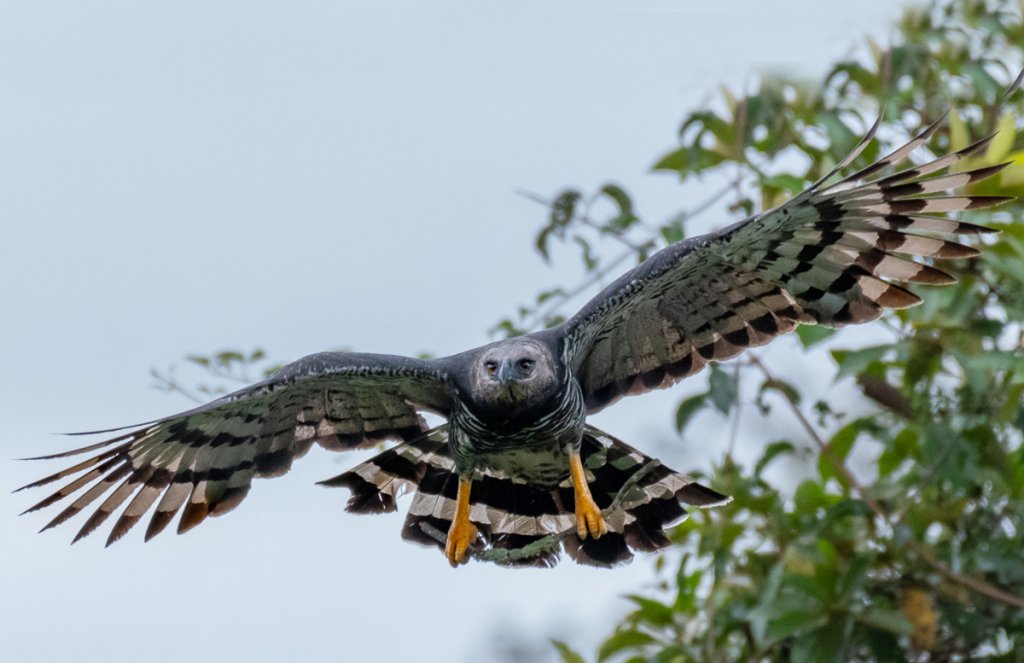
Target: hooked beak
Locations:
point(505, 372)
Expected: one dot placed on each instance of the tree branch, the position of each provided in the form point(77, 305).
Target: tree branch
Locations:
point(922, 551)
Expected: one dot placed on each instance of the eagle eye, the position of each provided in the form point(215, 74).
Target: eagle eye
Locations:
point(526, 365)
point(491, 367)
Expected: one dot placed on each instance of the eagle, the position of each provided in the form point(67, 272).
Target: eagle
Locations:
point(515, 474)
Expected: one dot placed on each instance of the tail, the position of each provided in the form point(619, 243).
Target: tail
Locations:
point(525, 525)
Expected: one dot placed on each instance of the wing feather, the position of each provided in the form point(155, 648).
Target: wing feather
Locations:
point(835, 254)
point(201, 462)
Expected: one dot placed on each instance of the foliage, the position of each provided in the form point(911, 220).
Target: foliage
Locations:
point(225, 367)
point(917, 556)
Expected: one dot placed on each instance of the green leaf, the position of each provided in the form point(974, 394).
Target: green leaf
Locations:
point(672, 231)
point(229, 357)
point(567, 654)
point(983, 81)
point(794, 621)
point(550, 294)
point(855, 362)
point(809, 496)
point(626, 217)
point(827, 643)
point(199, 360)
point(653, 612)
point(619, 195)
point(688, 408)
point(564, 208)
point(852, 582)
point(959, 137)
point(842, 138)
point(812, 334)
point(770, 453)
point(722, 389)
point(886, 619)
point(1001, 145)
point(626, 639)
point(840, 446)
point(688, 160)
point(586, 253)
point(903, 446)
point(785, 182)
point(788, 391)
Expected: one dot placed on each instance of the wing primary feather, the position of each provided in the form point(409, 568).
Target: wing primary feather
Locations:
point(852, 156)
point(143, 500)
point(113, 501)
point(170, 503)
point(900, 153)
point(90, 495)
point(74, 469)
point(73, 486)
point(82, 450)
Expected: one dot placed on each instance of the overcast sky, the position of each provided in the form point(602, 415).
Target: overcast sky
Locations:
point(184, 177)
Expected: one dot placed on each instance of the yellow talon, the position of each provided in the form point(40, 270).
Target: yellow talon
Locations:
point(588, 515)
point(462, 533)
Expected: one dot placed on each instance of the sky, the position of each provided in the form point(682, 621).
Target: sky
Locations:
point(185, 177)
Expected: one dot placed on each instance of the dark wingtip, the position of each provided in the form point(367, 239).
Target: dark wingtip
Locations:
point(366, 497)
point(117, 428)
point(158, 522)
point(982, 202)
point(701, 496)
point(1014, 86)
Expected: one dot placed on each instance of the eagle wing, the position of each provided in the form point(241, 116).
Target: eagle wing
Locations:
point(205, 458)
point(833, 255)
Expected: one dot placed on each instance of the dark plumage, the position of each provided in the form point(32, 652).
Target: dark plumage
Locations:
point(516, 473)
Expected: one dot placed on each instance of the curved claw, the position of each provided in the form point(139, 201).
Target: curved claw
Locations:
point(460, 537)
point(589, 519)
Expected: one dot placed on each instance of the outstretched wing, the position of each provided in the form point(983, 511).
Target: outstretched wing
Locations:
point(205, 458)
point(833, 255)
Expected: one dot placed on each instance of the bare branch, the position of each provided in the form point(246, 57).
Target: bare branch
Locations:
point(169, 384)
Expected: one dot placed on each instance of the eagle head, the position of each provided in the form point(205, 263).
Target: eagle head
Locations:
point(513, 376)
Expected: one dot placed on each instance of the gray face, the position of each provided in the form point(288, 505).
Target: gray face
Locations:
point(513, 375)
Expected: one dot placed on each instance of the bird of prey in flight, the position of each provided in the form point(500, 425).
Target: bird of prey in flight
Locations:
point(516, 474)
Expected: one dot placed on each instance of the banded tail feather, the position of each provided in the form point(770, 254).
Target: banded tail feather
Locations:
point(522, 524)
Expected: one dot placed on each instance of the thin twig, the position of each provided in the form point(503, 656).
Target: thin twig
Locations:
point(637, 248)
point(169, 385)
point(921, 549)
point(598, 275)
point(734, 433)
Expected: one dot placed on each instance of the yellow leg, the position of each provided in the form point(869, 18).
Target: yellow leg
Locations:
point(462, 532)
point(588, 516)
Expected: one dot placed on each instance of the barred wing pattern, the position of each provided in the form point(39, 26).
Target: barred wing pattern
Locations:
point(514, 518)
point(205, 459)
point(833, 255)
